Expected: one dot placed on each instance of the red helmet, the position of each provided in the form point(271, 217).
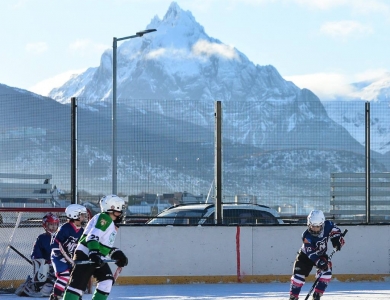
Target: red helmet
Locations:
point(50, 222)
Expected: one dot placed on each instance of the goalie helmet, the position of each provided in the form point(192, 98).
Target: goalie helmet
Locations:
point(112, 203)
point(74, 211)
point(315, 222)
point(50, 222)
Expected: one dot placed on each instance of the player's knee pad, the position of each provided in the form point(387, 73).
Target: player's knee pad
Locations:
point(104, 286)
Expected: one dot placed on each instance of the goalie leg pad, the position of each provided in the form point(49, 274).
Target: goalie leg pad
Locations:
point(46, 289)
point(20, 290)
point(41, 269)
point(30, 290)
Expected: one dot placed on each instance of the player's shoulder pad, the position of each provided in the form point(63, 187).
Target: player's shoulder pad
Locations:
point(103, 221)
point(328, 225)
point(306, 236)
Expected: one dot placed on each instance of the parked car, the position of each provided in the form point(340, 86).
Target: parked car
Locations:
point(203, 214)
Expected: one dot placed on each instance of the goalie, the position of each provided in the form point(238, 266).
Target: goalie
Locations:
point(41, 285)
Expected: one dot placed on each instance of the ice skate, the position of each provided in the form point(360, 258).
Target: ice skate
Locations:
point(53, 297)
point(316, 296)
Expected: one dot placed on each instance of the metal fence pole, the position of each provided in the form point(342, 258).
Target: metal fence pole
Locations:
point(368, 170)
point(73, 179)
point(218, 163)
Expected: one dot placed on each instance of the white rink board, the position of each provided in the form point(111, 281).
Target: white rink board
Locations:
point(197, 251)
point(213, 251)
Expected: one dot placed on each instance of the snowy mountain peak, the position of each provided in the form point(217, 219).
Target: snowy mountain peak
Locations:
point(178, 29)
point(181, 62)
point(173, 11)
point(378, 89)
point(175, 14)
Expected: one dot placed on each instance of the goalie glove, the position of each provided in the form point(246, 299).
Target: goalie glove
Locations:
point(120, 257)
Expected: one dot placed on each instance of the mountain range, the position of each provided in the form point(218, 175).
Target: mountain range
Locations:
point(349, 112)
point(278, 139)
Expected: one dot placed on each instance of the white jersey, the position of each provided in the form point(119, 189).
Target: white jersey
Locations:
point(99, 234)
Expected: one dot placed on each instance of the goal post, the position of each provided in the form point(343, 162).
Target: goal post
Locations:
point(19, 229)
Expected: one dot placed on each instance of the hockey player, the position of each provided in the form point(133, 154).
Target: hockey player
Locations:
point(95, 245)
point(64, 244)
point(313, 253)
point(41, 284)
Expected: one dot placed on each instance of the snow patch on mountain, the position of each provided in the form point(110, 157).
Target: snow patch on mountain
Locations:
point(350, 113)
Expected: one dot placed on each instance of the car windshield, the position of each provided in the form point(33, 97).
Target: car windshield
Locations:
point(172, 217)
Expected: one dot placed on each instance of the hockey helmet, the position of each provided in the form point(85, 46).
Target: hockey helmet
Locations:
point(315, 222)
point(113, 203)
point(50, 222)
point(74, 211)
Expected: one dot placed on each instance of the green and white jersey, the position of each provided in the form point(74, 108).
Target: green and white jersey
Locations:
point(99, 234)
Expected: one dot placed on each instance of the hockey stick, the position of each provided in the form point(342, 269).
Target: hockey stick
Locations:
point(85, 262)
point(65, 255)
point(319, 276)
point(117, 272)
point(21, 254)
point(71, 261)
point(52, 277)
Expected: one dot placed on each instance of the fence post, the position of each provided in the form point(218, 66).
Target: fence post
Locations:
point(368, 175)
point(73, 173)
point(218, 162)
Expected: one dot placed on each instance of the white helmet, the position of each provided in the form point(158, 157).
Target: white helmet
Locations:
point(111, 203)
point(315, 218)
point(74, 211)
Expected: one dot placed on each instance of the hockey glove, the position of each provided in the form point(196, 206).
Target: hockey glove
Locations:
point(322, 263)
point(337, 242)
point(120, 257)
point(94, 256)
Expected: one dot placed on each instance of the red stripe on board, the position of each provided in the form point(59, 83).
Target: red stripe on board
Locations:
point(238, 254)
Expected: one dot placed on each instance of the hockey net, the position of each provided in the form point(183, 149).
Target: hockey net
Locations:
point(19, 228)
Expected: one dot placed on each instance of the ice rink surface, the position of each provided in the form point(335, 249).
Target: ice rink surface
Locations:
point(267, 291)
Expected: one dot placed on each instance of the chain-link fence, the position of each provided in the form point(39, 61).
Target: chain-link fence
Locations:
point(280, 154)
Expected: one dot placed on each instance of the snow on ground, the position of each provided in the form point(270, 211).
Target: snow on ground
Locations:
point(265, 291)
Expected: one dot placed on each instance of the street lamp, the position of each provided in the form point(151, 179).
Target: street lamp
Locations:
point(114, 129)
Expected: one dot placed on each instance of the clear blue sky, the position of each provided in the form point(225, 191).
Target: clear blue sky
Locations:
point(319, 44)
